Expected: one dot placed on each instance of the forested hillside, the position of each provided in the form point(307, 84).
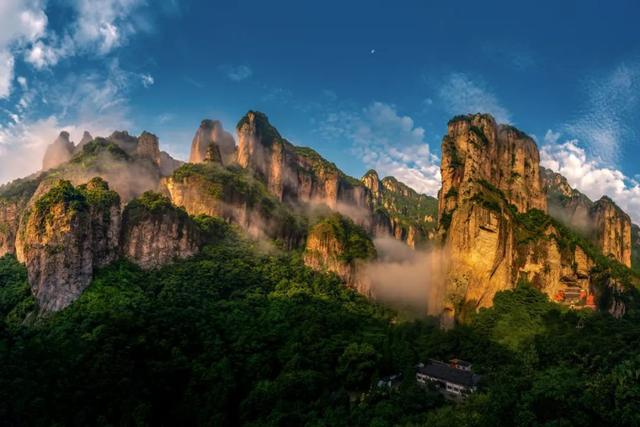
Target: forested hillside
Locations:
point(244, 333)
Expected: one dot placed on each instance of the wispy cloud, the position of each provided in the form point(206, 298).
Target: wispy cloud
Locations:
point(236, 73)
point(388, 142)
point(613, 103)
point(460, 94)
point(589, 175)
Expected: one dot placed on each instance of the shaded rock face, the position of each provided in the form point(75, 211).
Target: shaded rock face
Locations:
point(86, 138)
point(155, 232)
point(10, 212)
point(69, 232)
point(407, 215)
point(168, 164)
point(235, 196)
point(148, 147)
point(476, 148)
point(338, 245)
point(58, 152)
point(603, 222)
point(298, 174)
point(211, 133)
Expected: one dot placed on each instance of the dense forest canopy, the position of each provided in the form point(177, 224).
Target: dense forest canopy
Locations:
point(246, 334)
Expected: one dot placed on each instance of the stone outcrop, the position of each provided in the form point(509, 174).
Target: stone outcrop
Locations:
point(401, 211)
point(211, 133)
point(337, 245)
point(612, 230)
point(603, 222)
point(168, 164)
point(155, 232)
point(148, 147)
point(86, 138)
point(299, 174)
point(58, 152)
point(67, 234)
point(476, 148)
point(236, 196)
point(492, 218)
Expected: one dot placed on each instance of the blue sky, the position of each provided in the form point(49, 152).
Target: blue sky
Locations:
point(367, 84)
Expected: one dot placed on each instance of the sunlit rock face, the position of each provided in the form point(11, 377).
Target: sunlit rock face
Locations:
point(155, 232)
point(299, 174)
point(490, 179)
point(58, 152)
point(68, 233)
point(476, 148)
point(211, 133)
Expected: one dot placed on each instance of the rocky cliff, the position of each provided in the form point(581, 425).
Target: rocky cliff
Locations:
point(155, 232)
point(411, 216)
point(493, 222)
point(338, 245)
point(603, 222)
point(236, 196)
point(65, 235)
point(298, 174)
point(58, 152)
point(211, 136)
point(476, 148)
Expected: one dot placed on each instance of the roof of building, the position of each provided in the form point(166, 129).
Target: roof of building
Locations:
point(443, 371)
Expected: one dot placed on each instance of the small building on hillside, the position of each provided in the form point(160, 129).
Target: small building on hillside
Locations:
point(454, 379)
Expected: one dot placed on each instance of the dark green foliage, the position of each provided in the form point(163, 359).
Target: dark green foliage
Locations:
point(235, 336)
point(353, 239)
point(323, 167)
point(63, 193)
point(150, 205)
point(97, 146)
point(22, 188)
point(98, 194)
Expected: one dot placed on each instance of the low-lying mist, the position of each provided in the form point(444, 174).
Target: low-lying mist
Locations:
point(407, 279)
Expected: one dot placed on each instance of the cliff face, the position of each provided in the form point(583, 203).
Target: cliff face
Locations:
point(58, 152)
point(612, 230)
point(411, 217)
point(68, 232)
point(603, 222)
point(338, 245)
point(155, 232)
point(298, 174)
point(236, 196)
point(493, 222)
point(148, 147)
point(211, 136)
point(476, 148)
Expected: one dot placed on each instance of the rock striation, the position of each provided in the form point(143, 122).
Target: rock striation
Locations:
point(476, 148)
point(155, 232)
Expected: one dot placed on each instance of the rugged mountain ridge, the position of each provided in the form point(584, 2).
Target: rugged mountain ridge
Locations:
point(603, 222)
point(412, 217)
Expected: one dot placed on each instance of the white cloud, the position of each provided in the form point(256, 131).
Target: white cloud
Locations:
point(106, 25)
point(6, 73)
point(236, 73)
point(147, 80)
point(459, 94)
point(591, 177)
point(389, 143)
point(613, 103)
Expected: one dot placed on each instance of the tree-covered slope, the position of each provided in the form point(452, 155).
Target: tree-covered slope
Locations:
point(240, 336)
